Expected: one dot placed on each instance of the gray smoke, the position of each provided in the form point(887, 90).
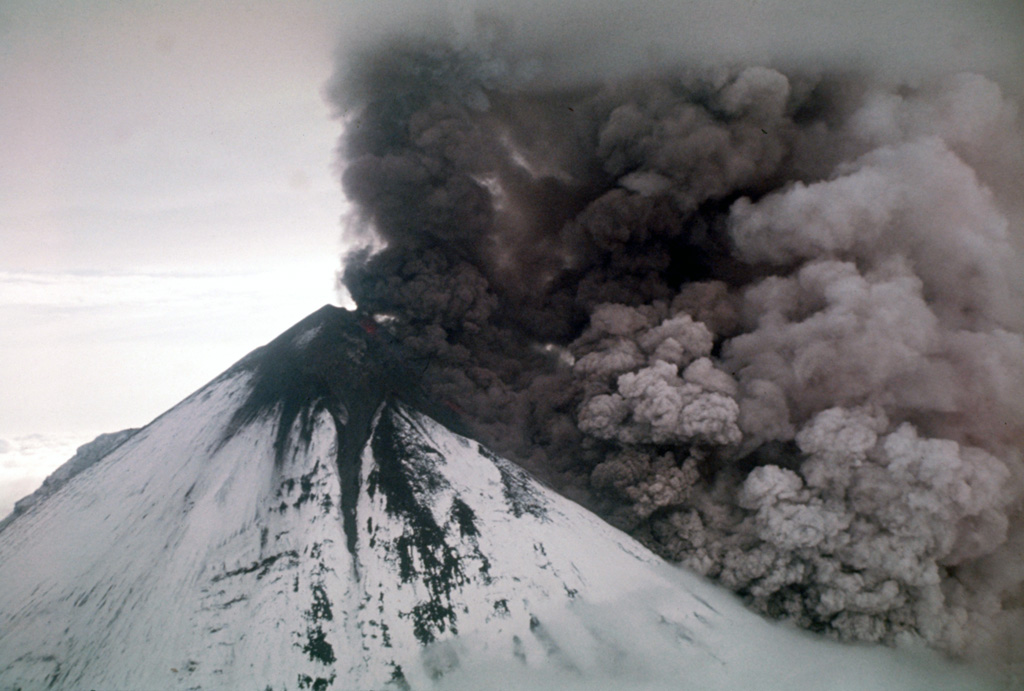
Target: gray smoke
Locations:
point(768, 318)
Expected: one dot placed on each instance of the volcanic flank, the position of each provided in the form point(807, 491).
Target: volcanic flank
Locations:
point(306, 521)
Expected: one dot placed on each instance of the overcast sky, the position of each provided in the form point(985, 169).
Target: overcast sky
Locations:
point(168, 197)
point(167, 203)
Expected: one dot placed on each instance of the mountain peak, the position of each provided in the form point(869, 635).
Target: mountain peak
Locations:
point(306, 521)
point(336, 362)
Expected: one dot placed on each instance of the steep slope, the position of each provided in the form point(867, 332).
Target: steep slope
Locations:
point(306, 522)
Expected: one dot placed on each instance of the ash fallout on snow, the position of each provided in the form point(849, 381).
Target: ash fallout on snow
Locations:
point(768, 316)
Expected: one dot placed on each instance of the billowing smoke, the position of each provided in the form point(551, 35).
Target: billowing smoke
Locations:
point(768, 319)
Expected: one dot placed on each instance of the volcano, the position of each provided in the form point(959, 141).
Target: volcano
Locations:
point(311, 520)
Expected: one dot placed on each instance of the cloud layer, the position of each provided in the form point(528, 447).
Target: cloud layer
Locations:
point(25, 461)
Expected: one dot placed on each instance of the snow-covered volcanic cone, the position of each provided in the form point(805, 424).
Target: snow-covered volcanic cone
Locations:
point(308, 520)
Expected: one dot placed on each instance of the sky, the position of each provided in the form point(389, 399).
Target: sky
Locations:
point(168, 202)
point(169, 196)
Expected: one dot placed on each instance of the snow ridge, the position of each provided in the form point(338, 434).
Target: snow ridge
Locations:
point(85, 455)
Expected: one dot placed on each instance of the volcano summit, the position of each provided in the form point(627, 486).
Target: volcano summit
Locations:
point(309, 520)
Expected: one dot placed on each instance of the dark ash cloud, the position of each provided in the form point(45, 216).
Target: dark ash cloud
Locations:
point(765, 317)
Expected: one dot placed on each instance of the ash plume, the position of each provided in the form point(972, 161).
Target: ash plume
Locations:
point(766, 317)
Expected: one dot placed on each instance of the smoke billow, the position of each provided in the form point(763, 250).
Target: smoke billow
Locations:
point(767, 319)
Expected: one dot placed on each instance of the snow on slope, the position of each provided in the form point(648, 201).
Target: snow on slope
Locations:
point(301, 524)
point(85, 456)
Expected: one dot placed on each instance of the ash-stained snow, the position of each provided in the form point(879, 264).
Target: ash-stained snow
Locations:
point(366, 546)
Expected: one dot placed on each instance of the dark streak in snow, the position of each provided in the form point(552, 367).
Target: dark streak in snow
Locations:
point(328, 363)
point(263, 566)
